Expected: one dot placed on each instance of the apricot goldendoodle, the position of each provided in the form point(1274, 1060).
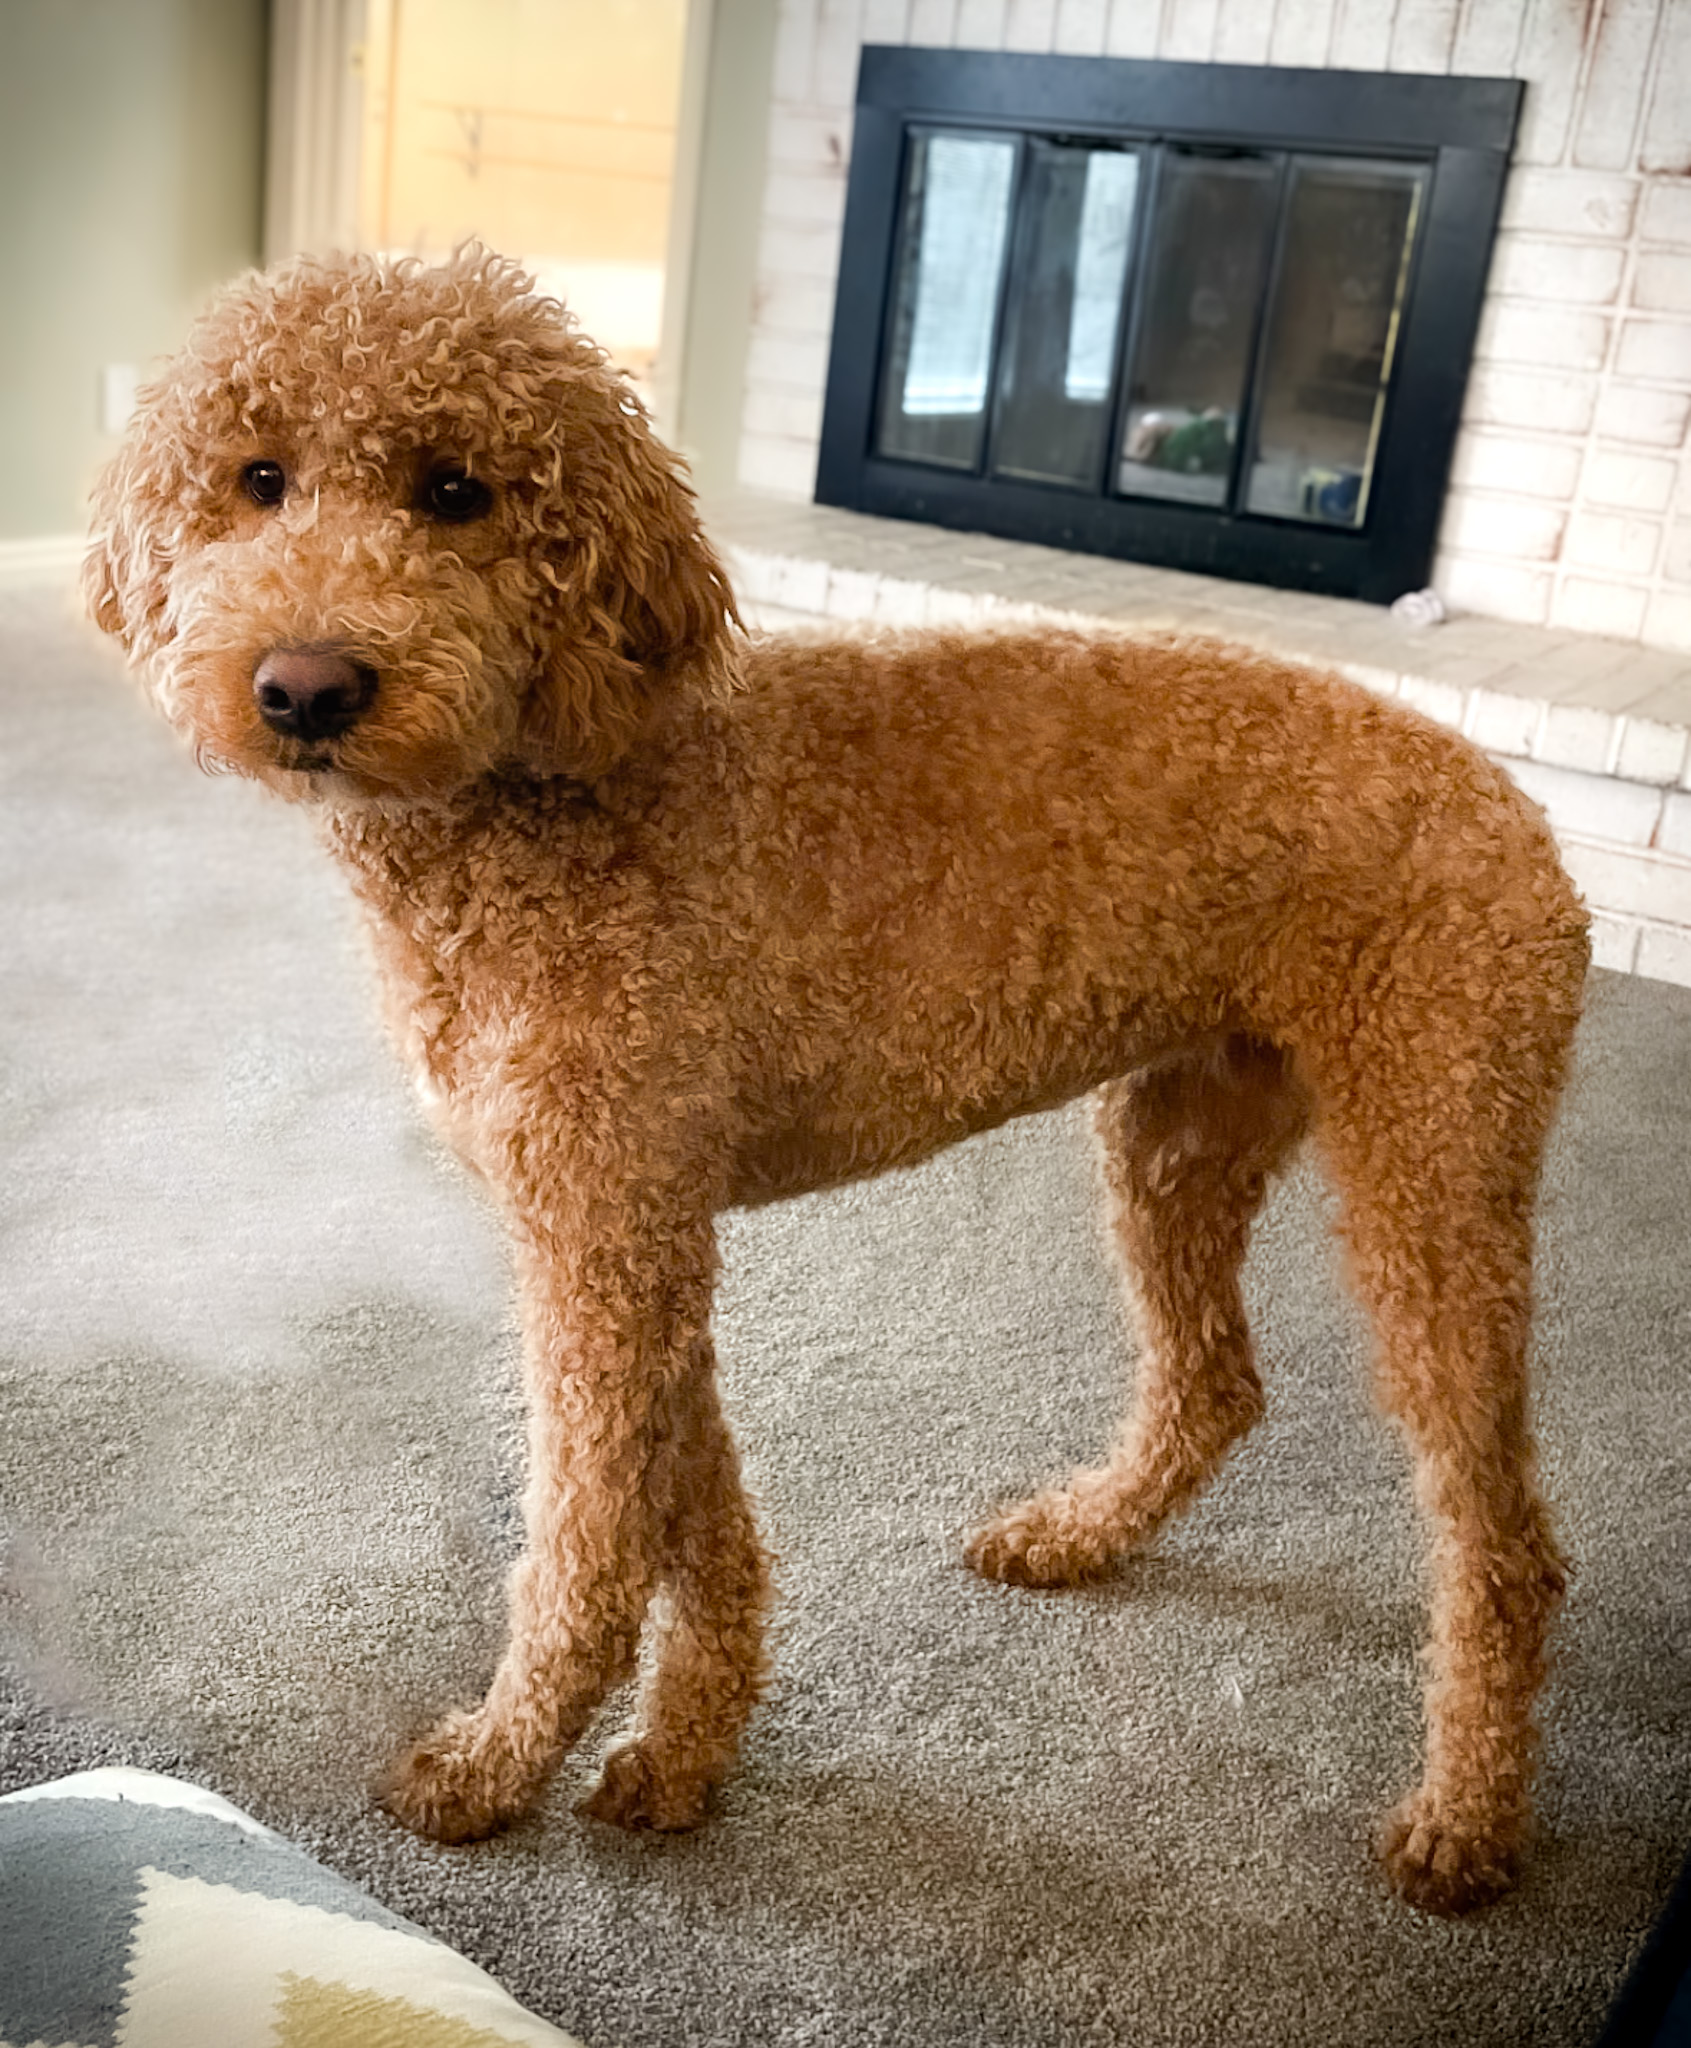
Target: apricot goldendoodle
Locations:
point(669, 922)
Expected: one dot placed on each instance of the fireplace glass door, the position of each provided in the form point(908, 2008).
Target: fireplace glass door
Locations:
point(956, 229)
point(1064, 319)
point(1259, 303)
point(1331, 337)
point(1207, 315)
point(1192, 360)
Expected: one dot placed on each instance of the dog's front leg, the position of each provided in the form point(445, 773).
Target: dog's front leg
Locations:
point(622, 1435)
point(708, 1666)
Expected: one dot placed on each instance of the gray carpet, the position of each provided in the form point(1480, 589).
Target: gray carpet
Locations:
point(257, 1465)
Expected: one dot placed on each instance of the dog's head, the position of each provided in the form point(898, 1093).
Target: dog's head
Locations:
point(383, 527)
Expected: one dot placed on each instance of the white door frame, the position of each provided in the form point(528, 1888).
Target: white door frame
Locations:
point(316, 110)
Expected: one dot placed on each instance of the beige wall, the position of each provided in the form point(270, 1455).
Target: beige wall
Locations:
point(132, 137)
point(131, 147)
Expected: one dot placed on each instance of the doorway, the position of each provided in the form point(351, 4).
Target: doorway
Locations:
point(548, 129)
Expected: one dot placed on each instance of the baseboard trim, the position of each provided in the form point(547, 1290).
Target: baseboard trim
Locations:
point(54, 558)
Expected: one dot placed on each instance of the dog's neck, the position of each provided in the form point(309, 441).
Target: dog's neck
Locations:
point(449, 887)
point(403, 850)
point(421, 864)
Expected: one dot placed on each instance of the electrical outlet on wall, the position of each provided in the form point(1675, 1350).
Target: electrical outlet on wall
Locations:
point(117, 395)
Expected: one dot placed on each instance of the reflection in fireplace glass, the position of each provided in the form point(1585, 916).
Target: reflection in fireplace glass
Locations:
point(1331, 335)
point(1059, 351)
point(1263, 308)
point(1209, 252)
point(955, 230)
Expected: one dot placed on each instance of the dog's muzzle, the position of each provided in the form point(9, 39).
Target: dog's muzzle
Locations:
point(312, 693)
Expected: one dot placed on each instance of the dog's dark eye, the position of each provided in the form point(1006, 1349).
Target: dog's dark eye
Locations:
point(264, 482)
point(450, 493)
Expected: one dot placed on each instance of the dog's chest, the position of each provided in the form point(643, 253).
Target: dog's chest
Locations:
point(489, 942)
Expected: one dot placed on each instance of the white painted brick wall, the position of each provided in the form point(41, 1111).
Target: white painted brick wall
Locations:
point(1557, 272)
point(1080, 27)
point(1536, 465)
point(1658, 349)
point(1590, 604)
point(1522, 529)
point(1487, 38)
point(1668, 620)
point(1513, 331)
point(933, 22)
point(1664, 955)
point(1569, 203)
point(1651, 752)
point(1667, 212)
point(1633, 884)
point(1571, 499)
point(1675, 834)
point(1516, 398)
point(1574, 736)
point(1502, 590)
point(1594, 807)
point(784, 415)
point(1502, 723)
point(1614, 943)
point(1609, 540)
point(1635, 483)
point(1641, 412)
point(1662, 282)
point(787, 468)
point(1605, 132)
point(1667, 125)
point(1132, 28)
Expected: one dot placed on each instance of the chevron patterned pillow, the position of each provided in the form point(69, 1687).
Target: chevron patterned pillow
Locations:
point(138, 1909)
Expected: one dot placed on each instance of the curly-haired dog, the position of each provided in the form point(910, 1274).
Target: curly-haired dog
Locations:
point(668, 922)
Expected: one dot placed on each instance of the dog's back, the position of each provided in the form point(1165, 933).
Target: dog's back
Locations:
point(968, 875)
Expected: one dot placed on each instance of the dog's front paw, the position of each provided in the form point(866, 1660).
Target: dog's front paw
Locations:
point(461, 1783)
point(1441, 1865)
point(1040, 1543)
point(642, 1788)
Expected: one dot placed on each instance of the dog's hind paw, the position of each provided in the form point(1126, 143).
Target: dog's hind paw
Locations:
point(1444, 1867)
point(461, 1783)
point(639, 1789)
point(1040, 1543)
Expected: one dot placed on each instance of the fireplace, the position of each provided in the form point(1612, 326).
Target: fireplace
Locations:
point(1205, 316)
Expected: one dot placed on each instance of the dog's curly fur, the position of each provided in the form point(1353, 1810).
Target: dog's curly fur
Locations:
point(669, 921)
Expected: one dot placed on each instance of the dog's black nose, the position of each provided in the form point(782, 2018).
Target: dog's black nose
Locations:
point(312, 693)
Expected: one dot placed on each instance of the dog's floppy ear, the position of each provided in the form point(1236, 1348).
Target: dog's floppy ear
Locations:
point(106, 564)
point(124, 568)
point(640, 613)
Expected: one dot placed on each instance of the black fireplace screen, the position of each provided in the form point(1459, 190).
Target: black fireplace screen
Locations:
point(1194, 315)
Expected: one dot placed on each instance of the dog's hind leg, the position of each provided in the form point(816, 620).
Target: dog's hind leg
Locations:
point(709, 1664)
point(1188, 1147)
point(1438, 1200)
